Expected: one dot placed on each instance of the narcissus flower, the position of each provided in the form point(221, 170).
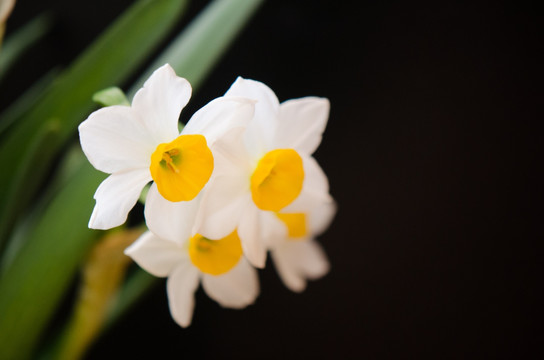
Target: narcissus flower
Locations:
point(267, 169)
point(294, 251)
point(140, 143)
point(188, 259)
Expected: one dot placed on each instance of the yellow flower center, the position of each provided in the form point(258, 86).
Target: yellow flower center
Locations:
point(296, 225)
point(182, 167)
point(277, 180)
point(215, 257)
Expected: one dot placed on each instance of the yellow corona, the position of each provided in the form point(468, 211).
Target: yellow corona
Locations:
point(182, 167)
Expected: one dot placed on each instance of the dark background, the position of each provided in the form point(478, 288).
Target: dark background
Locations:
point(432, 152)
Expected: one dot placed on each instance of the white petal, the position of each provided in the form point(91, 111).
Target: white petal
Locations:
point(160, 101)
point(181, 286)
point(113, 139)
point(220, 210)
point(227, 193)
point(297, 261)
point(231, 157)
point(315, 188)
point(321, 217)
point(273, 230)
point(171, 221)
point(220, 116)
point(301, 124)
point(260, 131)
point(251, 236)
point(156, 256)
point(236, 289)
point(116, 196)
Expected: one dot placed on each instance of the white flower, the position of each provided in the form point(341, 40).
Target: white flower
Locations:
point(294, 251)
point(268, 169)
point(140, 143)
point(188, 259)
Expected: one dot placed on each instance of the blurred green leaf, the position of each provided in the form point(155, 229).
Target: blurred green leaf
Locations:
point(26, 101)
point(33, 284)
point(47, 132)
point(21, 40)
point(200, 46)
point(71, 164)
point(110, 60)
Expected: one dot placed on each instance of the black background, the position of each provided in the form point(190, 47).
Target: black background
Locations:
point(432, 152)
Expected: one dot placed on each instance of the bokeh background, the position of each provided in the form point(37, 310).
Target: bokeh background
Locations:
point(433, 155)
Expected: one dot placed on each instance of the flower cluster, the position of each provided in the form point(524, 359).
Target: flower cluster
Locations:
point(237, 182)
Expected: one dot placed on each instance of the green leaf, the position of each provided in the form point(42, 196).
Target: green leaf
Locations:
point(15, 45)
point(111, 96)
point(110, 60)
point(70, 166)
point(33, 284)
point(46, 133)
point(26, 101)
point(200, 46)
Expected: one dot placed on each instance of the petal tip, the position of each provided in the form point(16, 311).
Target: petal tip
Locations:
point(258, 260)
